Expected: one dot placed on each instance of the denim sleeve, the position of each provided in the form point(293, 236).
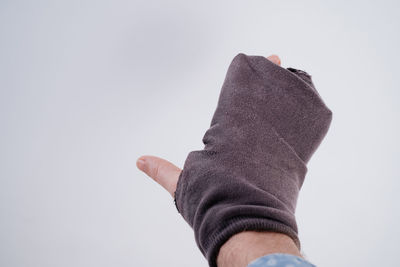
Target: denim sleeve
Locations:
point(280, 260)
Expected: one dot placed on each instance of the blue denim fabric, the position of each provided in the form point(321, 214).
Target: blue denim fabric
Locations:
point(280, 260)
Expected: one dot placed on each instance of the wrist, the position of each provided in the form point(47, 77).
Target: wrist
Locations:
point(244, 247)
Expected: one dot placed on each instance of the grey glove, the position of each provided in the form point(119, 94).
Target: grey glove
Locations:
point(268, 123)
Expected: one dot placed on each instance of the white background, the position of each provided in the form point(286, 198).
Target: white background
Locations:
point(86, 87)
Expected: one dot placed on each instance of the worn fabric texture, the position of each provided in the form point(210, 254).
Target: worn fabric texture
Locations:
point(268, 122)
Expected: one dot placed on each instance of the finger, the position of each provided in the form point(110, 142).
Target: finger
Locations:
point(275, 59)
point(160, 170)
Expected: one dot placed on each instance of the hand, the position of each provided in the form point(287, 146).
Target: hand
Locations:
point(241, 248)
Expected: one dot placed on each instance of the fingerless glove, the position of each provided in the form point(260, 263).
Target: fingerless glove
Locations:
point(268, 122)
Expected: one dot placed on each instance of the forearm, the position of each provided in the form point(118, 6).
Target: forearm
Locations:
point(245, 247)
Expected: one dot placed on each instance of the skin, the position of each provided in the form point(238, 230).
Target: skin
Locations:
point(241, 248)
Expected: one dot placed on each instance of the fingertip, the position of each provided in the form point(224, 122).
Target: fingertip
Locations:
point(275, 59)
point(141, 163)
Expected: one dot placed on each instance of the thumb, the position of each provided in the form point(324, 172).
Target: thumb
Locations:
point(160, 170)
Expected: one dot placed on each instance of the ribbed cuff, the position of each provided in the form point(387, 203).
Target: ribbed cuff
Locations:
point(240, 224)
